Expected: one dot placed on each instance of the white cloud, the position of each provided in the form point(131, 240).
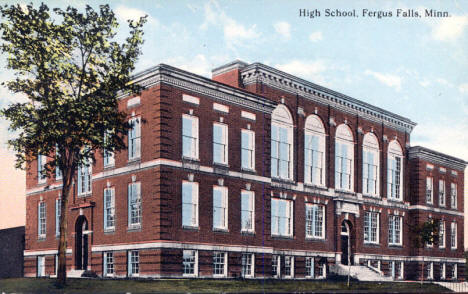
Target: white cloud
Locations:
point(450, 28)
point(463, 88)
point(124, 13)
point(198, 64)
point(311, 70)
point(424, 83)
point(444, 82)
point(235, 34)
point(315, 36)
point(390, 80)
point(284, 29)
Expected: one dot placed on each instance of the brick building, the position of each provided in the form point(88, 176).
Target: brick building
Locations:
point(253, 173)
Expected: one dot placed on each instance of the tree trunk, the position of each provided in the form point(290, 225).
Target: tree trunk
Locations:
point(349, 254)
point(62, 247)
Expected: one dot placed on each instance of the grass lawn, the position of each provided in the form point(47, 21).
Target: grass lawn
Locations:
point(43, 285)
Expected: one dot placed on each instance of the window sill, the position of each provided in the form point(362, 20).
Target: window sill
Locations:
point(191, 159)
point(41, 238)
point(248, 232)
point(190, 228)
point(220, 230)
point(395, 200)
point(110, 166)
point(189, 275)
point(350, 192)
point(315, 186)
point(281, 180)
point(221, 165)
point(310, 238)
point(371, 244)
point(282, 237)
point(219, 276)
point(109, 231)
point(134, 275)
point(109, 276)
point(395, 246)
point(374, 196)
point(248, 170)
point(134, 228)
point(134, 160)
point(83, 195)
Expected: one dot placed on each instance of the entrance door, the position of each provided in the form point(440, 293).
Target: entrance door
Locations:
point(346, 242)
point(81, 244)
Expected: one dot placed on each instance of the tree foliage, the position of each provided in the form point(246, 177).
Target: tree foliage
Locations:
point(71, 69)
point(426, 233)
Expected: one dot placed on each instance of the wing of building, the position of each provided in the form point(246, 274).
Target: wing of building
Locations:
point(253, 173)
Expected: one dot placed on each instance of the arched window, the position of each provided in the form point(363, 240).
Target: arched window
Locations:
point(370, 165)
point(344, 156)
point(395, 171)
point(314, 151)
point(282, 143)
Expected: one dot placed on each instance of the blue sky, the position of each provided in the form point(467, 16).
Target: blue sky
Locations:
point(415, 67)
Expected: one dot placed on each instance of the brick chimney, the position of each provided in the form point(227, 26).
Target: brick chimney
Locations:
point(229, 73)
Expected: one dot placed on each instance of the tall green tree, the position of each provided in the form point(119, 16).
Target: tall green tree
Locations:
point(423, 234)
point(70, 67)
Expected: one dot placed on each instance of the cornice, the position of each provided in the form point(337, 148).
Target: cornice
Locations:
point(172, 76)
point(258, 72)
point(236, 64)
point(436, 158)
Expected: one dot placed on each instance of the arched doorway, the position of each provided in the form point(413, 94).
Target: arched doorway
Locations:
point(346, 246)
point(81, 243)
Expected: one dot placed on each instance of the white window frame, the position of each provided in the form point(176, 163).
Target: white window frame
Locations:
point(249, 212)
point(455, 271)
point(276, 264)
point(109, 208)
point(442, 193)
point(109, 255)
point(248, 150)
point(58, 207)
point(224, 265)
point(289, 260)
point(134, 139)
point(442, 234)
point(429, 271)
point(317, 159)
point(224, 208)
point(370, 225)
point(134, 203)
point(370, 145)
point(133, 267)
point(193, 203)
point(393, 269)
point(248, 265)
point(443, 271)
point(41, 162)
point(41, 220)
point(282, 119)
point(313, 214)
point(41, 266)
point(85, 179)
point(310, 267)
point(344, 164)
point(429, 190)
point(394, 180)
point(395, 229)
point(194, 256)
point(221, 143)
point(453, 195)
point(288, 218)
point(323, 267)
point(108, 156)
point(190, 151)
point(453, 235)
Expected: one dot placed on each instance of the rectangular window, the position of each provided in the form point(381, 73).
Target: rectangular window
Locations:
point(394, 177)
point(394, 229)
point(248, 261)
point(281, 152)
point(41, 266)
point(247, 211)
point(454, 271)
point(133, 263)
point(134, 139)
point(369, 172)
point(281, 217)
point(41, 217)
point(248, 149)
point(429, 190)
point(453, 195)
point(189, 136)
point(396, 269)
point(343, 166)
point(276, 266)
point(41, 162)
point(109, 209)
point(289, 266)
point(220, 208)
point(57, 216)
point(315, 224)
point(190, 263)
point(442, 271)
point(321, 270)
point(134, 205)
point(313, 160)
point(108, 264)
point(429, 270)
point(109, 158)
point(189, 204)
point(442, 234)
point(441, 193)
point(84, 179)
point(371, 227)
point(309, 265)
point(220, 143)
point(453, 235)
point(219, 264)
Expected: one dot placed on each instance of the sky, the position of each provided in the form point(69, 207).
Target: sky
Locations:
point(413, 66)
